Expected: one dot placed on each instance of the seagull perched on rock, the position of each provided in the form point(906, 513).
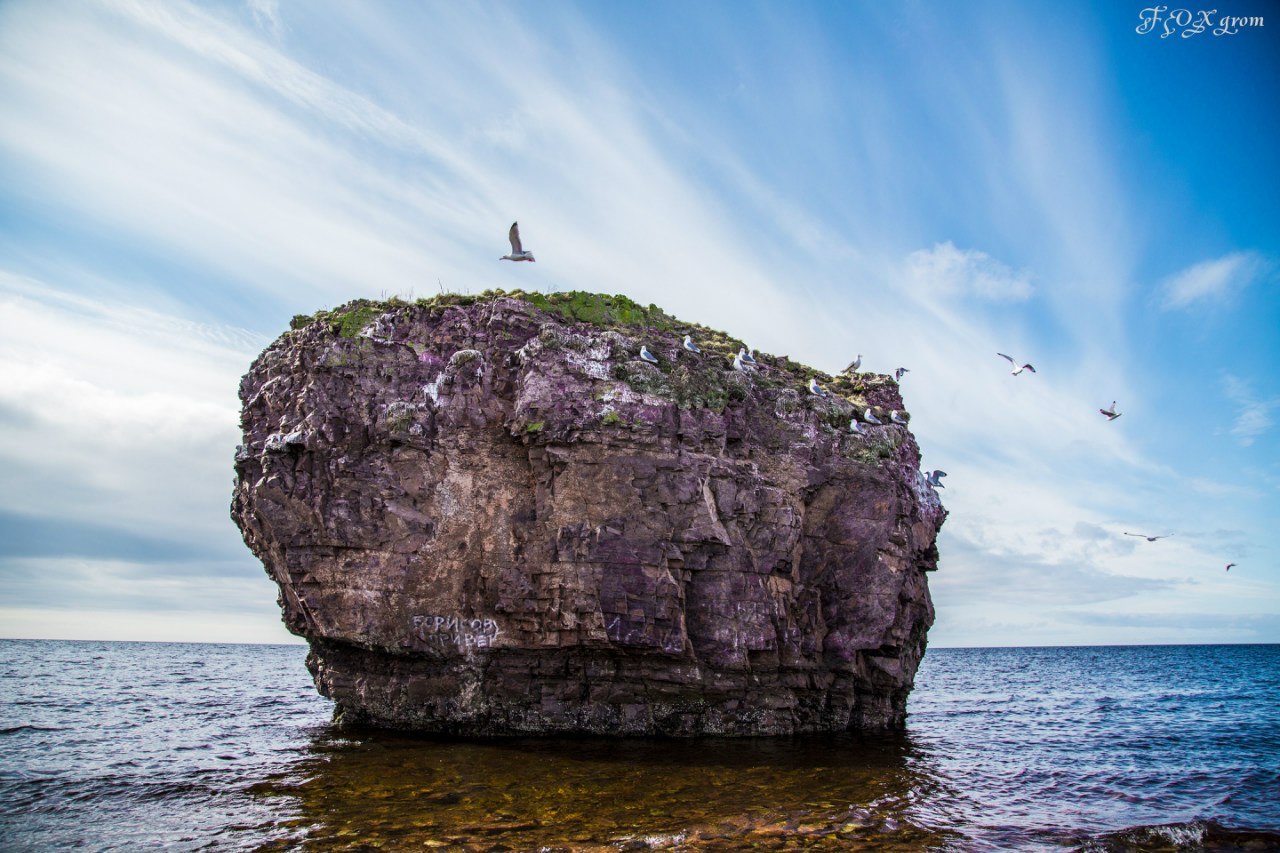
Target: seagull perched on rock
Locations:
point(897, 418)
point(647, 356)
point(899, 373)
point(1016, 369)
point(1149, 538)
point(746, 356)
point(816, 389)
point(1111, 413)
point(1229, 565)
point(690, 345)
point(870, 417)
point(517, 251)
point(739, 364)
point(854, 365)
point(933, 478)
point(856, 427)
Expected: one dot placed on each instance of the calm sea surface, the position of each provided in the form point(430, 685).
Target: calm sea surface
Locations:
point(127, 746)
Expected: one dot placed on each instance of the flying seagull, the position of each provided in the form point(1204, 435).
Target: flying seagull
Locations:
point(1148, 538)
point(899, 373)
point(746, 356)
point(933, 478)
point(870, 417)
point(856, 427)
point(1111, 413)
point(647, 356)
point(1016, 369)
point(816, 389)
point(690, 345)
point(1229, 565)
point(854, 365)
point(897, 418)
point(517, 251)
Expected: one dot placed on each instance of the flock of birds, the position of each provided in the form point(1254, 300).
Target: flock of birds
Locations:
point(745, 360)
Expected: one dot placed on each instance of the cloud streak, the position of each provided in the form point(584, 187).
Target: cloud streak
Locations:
point(1211, 281)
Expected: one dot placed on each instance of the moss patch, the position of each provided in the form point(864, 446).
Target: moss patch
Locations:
point(346, 321)
point(877, 451)
point(836, 419)
point(607, 312)
point(642, 378)
point(691, 380)
point(698, 389)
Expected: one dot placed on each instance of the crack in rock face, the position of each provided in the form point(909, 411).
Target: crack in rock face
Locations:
point(491, 517)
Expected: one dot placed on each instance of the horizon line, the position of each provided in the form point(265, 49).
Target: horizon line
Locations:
point(304, 644)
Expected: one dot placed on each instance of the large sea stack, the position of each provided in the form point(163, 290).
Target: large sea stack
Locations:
point(487, 515)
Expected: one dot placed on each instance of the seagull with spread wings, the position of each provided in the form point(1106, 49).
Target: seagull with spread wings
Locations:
point(1016, 368)
point(517, 251)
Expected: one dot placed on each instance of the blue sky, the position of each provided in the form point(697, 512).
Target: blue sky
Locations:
point(925, 184)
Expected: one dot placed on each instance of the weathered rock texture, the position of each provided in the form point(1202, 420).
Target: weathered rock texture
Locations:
point(487, 517)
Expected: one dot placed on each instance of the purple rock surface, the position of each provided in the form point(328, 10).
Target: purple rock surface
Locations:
point(490, 518)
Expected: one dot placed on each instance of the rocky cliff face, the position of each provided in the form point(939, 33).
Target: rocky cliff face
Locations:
point(487, 515)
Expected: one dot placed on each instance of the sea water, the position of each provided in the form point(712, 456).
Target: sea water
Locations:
point(128, 746)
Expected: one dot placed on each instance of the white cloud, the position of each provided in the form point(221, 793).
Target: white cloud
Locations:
point(945, 271)
point(117, 415)
point(1216, 279)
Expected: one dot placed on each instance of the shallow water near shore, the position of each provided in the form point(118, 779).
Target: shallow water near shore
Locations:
point(184, 746)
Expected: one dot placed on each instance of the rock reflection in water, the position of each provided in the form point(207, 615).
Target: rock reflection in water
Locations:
point(831, 792)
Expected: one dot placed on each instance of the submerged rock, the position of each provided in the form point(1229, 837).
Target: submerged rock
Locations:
point(487, 515)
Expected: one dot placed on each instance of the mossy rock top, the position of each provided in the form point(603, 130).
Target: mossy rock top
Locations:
point(606, 312)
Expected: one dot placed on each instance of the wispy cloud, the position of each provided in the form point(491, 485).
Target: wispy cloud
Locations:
point(1255, 415)
point(1213, 280)
point(1057, 186)
point(266, 13)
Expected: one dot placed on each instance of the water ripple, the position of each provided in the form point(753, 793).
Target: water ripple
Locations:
point(116, 746)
